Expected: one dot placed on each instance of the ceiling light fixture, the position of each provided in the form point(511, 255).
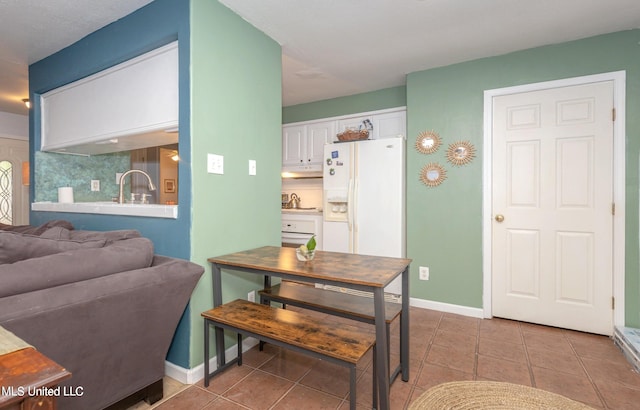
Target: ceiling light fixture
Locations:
point(26, 102)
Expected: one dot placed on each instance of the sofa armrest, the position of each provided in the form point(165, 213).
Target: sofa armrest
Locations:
point(111, 332)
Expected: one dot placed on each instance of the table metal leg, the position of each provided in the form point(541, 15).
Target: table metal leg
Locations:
point(206, 353)
point(404, 326)
point(216, 276)
point(381, 349)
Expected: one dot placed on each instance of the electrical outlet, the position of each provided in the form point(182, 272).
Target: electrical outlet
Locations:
point(95, 185)
point(215, 164)
point(424, 273)
point(251, 296)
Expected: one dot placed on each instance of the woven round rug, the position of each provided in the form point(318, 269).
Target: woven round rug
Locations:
point(491, 395)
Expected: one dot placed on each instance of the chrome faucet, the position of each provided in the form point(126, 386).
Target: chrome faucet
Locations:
point(132, 171)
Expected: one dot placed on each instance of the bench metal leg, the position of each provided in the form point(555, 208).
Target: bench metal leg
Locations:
point(263, 301)
point(374, 399)
point(239, 349)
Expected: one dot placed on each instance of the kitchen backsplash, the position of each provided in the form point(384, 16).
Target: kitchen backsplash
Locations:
point(309, 191)
point(59, 170)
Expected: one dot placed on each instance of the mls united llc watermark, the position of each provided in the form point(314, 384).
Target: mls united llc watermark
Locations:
point(58, 391)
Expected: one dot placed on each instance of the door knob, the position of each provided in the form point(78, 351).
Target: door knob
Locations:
point(499, 218)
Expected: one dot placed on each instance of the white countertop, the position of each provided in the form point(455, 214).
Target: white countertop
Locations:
point(109, 208)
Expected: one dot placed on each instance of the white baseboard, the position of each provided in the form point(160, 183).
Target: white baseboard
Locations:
point(447, 307)
point(194, 375)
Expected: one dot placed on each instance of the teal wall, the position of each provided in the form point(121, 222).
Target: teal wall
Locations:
point(375, 100)
point(444, 224)
point(150, 27)
point(236, 112)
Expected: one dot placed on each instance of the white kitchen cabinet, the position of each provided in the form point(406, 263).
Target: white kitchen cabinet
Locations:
point(293, 145)
point(390, 124)
point(106, 112)
point(303, 145)
point(303, 142)
point(319, 134)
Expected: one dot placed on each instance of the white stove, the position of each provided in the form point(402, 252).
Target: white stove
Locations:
point(299, 225)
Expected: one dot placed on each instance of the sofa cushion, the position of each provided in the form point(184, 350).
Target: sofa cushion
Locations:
point(109, 236)
point(57, 232)
point(37, 230)
point(74, 266)
point(16, 246)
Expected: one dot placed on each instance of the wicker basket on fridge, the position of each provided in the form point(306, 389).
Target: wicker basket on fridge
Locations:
point(353, 135)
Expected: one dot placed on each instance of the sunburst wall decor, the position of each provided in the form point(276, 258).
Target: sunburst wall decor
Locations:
point(433, 174)
point(461, 153)
point(428, 142)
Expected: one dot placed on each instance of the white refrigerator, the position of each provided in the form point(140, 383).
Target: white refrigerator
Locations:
point(364, 199)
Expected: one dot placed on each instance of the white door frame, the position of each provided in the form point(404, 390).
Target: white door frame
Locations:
point(619, 183)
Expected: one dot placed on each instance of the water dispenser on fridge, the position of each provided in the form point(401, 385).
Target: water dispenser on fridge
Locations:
point(336, 205)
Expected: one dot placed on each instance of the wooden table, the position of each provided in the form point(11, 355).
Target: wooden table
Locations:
point(359, 272)
point(29, 380)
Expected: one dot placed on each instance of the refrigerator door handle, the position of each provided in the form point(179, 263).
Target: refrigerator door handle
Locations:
point(354, 210)
point(350, 205)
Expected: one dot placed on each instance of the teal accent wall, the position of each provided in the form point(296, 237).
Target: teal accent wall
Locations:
point(150, 27)
point(444, 224)
point(236, 110)
point(371, 101)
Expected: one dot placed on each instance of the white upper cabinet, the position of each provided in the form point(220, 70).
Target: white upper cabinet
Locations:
point(319, 134)
point(293, 145)
point(303, 145)
point(390, 124)
point(303, 142)
point(128, 106)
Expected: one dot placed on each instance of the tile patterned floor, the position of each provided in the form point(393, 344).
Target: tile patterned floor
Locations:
point(444, 347)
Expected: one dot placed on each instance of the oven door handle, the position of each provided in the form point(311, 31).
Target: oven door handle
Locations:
point(296, 235)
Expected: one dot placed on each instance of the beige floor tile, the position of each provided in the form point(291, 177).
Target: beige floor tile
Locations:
point(444, 347)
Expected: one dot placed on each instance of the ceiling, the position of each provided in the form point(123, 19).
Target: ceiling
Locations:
point(330, 48)
point(34, 29)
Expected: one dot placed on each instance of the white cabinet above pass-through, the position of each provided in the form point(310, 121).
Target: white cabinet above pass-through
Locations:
point(128, 106)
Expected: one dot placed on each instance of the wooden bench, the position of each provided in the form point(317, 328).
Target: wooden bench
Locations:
point(338, 343)
point(335, 303)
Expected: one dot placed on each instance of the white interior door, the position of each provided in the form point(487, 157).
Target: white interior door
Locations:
point(552, 196)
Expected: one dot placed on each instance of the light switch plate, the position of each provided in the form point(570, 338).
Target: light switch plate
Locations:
point(215, 164)
point(252, 167)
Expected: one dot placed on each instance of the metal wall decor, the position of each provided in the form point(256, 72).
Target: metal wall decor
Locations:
point(432, 174)
point(428, 142)
point(461, 153)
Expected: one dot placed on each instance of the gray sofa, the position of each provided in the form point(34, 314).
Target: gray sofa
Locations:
point(100, 304)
